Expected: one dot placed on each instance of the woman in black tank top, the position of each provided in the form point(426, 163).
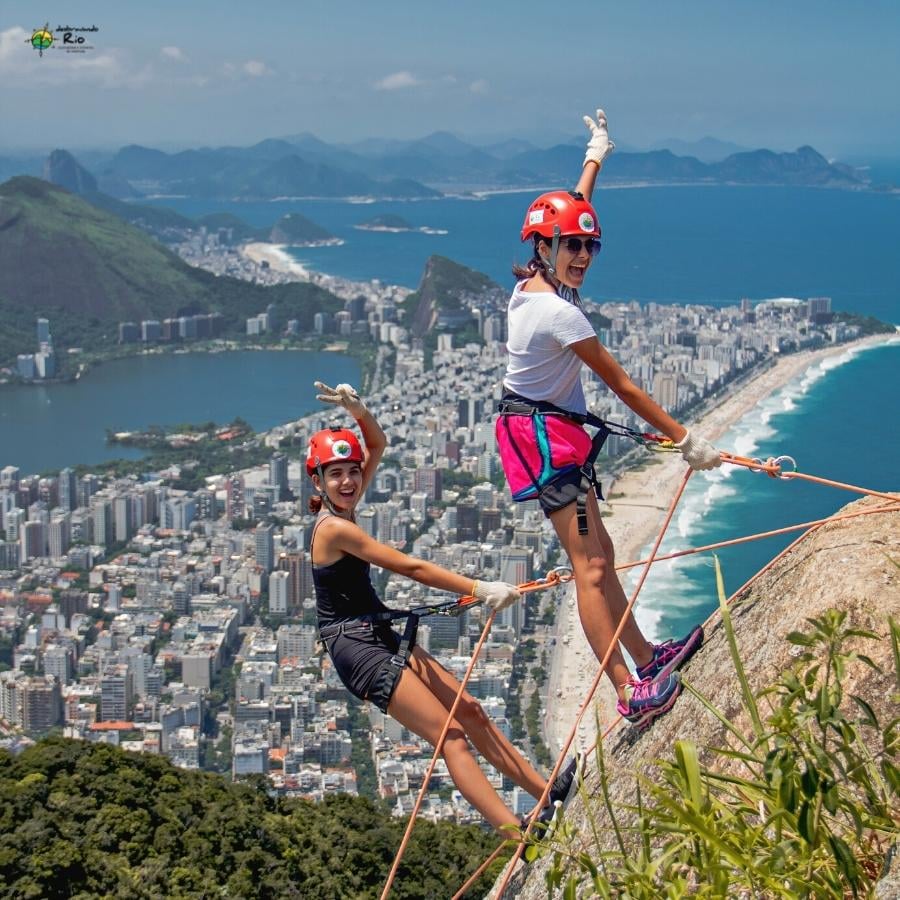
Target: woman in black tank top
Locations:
point(418, 692)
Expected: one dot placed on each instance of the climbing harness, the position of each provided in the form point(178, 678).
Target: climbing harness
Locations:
point(772, 467)
point(514, 404)
point(542, 472)
point(364, 624)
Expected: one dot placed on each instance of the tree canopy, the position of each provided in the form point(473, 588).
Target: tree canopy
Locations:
point(83, 820)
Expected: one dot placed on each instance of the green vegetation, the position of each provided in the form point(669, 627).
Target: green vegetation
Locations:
point(88, 820)
point(158, 220)
point(296, 229)
point(86, 270)
point(805, 805)
point(867, 324)
point(196, 462)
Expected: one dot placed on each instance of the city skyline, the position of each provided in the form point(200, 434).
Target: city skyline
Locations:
point(167, 77)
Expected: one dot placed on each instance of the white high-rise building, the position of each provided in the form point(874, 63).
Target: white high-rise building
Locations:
point(279, 592)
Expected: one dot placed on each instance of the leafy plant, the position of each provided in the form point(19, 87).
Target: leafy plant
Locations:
point(804, 805)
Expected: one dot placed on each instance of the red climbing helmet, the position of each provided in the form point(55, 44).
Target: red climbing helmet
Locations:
point(558, 213)
point(332, 445)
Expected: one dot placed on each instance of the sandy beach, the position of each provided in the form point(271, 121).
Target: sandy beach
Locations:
point(637, 509)
point(277, 257)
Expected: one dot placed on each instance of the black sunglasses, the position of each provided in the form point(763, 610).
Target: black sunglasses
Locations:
point(574, 245)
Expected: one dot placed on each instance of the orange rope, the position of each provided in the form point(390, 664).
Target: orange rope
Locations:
point(838, 484)
point(600, 671)
point(437, 752)
point(773, 469)
point(761, 534)
point(552, 578)
point(481, 869)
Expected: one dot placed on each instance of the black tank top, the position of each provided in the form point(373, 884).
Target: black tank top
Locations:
point(344, 589)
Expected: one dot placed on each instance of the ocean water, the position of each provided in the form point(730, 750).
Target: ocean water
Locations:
point(838, 420)
point(45, 428)
point(667, 244)
point(694, 244)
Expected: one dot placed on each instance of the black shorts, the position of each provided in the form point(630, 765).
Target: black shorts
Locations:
point(562, 491)
point(364, 657)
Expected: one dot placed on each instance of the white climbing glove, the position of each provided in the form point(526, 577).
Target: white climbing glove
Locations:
point(343, 395)
point(698, 452)
point(496, 594)
point(599, 145)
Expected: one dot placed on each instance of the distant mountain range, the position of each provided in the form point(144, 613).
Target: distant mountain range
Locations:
point(302, 165)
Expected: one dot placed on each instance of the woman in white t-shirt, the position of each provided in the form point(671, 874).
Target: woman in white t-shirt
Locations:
point(544, 447)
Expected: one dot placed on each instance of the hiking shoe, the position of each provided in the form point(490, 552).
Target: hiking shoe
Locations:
point(565, 780)
point(671, 655)
point(649, 699)
point(542, 822)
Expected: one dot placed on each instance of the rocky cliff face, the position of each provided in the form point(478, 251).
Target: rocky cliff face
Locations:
point(850, 565)
point(63, 169)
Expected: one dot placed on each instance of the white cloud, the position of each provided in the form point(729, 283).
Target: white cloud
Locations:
point(397, 81)
point(13, 42)
point(479, 86)
point(256, 68)
point(175, 53)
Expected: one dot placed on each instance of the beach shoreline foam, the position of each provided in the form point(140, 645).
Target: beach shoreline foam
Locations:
point(638, 501)
point(277, 257)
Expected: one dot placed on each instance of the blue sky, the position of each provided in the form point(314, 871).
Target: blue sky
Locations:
point(170, 74)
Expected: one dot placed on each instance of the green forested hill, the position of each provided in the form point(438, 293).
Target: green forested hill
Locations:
point(86, 270)
point(86, 820)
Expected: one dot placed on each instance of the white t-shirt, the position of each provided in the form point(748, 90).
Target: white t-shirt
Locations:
point(541, 366)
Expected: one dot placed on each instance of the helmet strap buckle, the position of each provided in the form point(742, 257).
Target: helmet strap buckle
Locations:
point(554, 250)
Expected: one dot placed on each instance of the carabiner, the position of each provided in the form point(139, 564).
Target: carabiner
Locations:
point(562, 573)
point(781, 460)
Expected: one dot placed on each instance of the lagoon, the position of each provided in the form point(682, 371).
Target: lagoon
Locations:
point(45, 428)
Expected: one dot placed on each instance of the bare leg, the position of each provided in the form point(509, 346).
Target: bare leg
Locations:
point(601, 600)
point(639, 648)
point(418, 709)
point(490, 742)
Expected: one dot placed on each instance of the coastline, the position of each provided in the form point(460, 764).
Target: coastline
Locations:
point(277, 257)
point(638, 500)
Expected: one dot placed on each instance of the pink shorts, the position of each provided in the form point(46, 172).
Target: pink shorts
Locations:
point(538, 450)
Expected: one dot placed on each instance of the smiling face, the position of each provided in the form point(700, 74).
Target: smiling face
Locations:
point(571, 267)
point(342, 484)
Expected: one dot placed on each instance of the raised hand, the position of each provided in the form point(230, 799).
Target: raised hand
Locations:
point(599, 146)
point(342, 395)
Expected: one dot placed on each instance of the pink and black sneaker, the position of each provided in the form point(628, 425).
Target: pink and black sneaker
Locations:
point(647, 700)
point(671, 655)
